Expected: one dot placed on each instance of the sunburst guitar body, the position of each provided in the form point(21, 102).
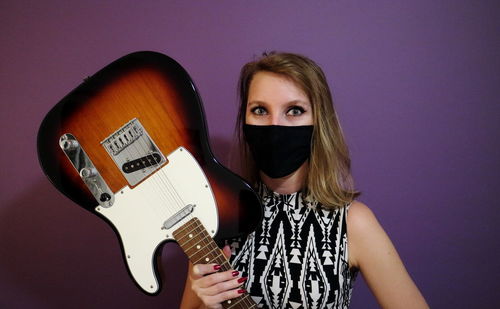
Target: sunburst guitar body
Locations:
point(130, 145)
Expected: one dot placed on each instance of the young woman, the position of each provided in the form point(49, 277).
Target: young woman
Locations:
point(314, 236)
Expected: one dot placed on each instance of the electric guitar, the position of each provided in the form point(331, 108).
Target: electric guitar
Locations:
point(130, 145)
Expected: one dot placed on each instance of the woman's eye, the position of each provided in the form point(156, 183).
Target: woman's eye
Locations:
point(258, 110)
point(295, 111)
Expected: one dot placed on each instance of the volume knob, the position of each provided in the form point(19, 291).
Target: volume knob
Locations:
point(88, 172)
point(68, 144)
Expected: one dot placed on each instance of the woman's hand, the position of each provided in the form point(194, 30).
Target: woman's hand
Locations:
point(213, 287)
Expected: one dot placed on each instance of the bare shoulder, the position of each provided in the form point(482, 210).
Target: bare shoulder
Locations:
point(360, 214)
point(361, 225)
point(365, 234)
point(361, 220)
point(372, 252)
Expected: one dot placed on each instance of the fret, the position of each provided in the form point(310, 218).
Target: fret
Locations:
point(206, 241)
point(208, 257)
point(204, 248)
point(201, 248)
point(243, 302)
point(185, 230)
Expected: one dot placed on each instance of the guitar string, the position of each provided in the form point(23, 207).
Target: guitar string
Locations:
point(243, 299)
point(167, 198)
point(168, 194)
point(130, 152)
point(162, 185)
point(136, 149)
point(172, 201)
point(163, 181)
point(199, 232)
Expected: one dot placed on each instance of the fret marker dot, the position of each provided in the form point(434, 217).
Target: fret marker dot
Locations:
point(228, 301)
point(207, 259)
point(190, 235)
point(198, 247)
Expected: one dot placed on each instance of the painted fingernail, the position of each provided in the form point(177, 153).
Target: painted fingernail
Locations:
point(241, 291)
point(216, 267)
point(235, 273)
point(242, 279)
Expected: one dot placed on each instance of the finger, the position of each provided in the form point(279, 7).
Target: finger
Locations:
point(200, 270)
point(224, 286)
point(222, 297)
point(218, 282)
point(227, 251)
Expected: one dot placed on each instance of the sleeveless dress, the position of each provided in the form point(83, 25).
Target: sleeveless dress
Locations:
point(297, 257)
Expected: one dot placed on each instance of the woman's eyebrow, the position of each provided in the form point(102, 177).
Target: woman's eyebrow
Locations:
point(256, 102)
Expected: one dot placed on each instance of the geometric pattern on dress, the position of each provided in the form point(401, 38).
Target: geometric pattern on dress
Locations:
point(270, 214)
point(314, 282)
point(297, 217)
point(340, 243)
point(326, 220)
point(343, 267)
point(276, 276)
point(297, 257)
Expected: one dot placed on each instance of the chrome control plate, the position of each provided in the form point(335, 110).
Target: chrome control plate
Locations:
point(86, 169)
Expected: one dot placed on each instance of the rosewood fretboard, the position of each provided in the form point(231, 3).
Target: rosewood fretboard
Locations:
point(201, 248)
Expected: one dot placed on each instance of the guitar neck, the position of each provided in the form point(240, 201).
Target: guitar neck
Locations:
point(201, 248)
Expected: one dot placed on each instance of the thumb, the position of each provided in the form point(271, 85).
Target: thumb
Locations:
point(227, 251)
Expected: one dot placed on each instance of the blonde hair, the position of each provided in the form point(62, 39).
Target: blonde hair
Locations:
point(329, 180)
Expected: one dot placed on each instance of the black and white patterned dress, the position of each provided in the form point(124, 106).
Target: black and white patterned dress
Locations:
point(298, 257)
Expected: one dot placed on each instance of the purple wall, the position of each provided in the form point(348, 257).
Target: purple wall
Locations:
point(416, 84)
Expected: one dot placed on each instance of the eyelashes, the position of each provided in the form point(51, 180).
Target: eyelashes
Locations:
point(291, 111)
point(295, 111)
point(258, 110)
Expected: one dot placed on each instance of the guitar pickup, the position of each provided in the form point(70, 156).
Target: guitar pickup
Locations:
point(141, 163)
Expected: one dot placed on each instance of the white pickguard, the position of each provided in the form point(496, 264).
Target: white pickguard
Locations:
point(138, 214)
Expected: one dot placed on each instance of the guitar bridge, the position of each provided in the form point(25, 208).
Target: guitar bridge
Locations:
point(134, 152)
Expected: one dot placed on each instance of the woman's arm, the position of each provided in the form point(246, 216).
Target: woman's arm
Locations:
point(372, 252)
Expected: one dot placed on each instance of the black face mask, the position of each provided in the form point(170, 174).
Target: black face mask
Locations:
point(279, 150)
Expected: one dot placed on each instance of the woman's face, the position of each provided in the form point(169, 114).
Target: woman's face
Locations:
point(275, 100)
